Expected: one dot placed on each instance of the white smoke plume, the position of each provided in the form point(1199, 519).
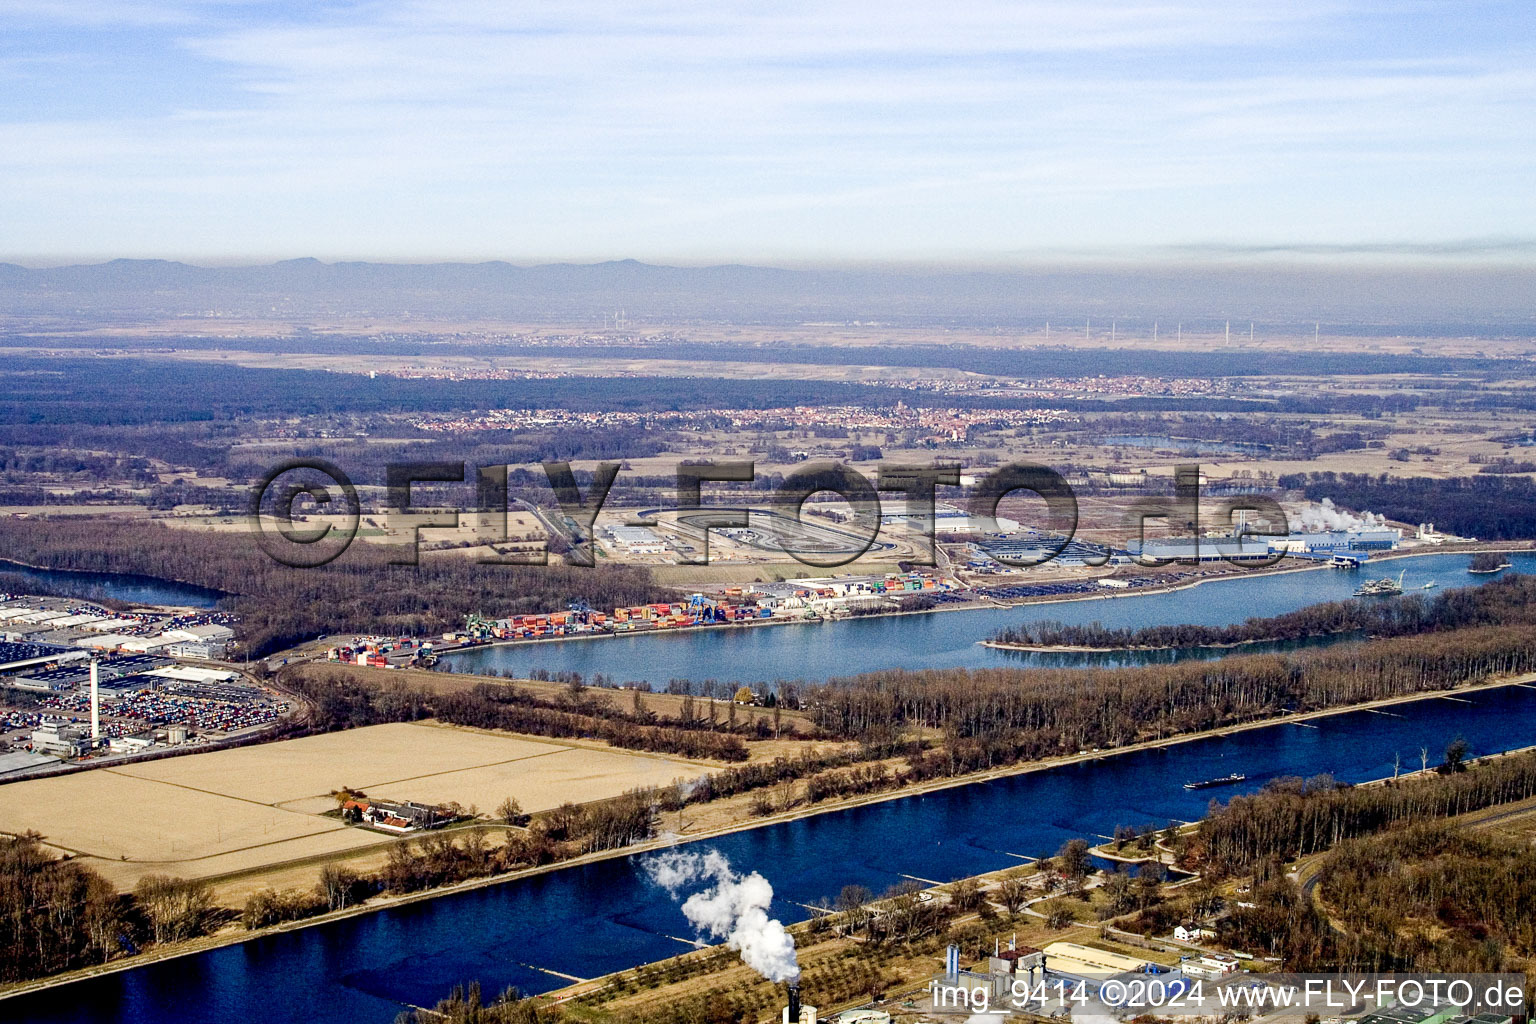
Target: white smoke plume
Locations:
point(732, 907)
point(1326, 516)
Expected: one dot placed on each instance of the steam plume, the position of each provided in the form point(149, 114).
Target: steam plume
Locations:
point(732, 907)
point(1325, 516)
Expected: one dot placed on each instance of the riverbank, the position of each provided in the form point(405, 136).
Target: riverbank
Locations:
point(1003, 645)
point(234, 937)
point(974, 605)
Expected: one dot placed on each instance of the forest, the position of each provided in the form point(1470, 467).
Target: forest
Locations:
point(990, 717)
point(1435, 897)
point(1399, 885)
point(359, 592)
point(1509, 600)
point(1291, 818)
point(1487, 507)
point(55, 915)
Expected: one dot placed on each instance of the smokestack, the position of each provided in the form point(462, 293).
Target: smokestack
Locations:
point(792, 1011)
point(95, 704)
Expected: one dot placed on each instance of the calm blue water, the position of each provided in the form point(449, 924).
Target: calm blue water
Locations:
point(1184, 445)
point(818, 651)
point(586, 921)
point(119, 586)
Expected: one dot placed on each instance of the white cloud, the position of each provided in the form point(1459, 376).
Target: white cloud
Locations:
point(608, 128)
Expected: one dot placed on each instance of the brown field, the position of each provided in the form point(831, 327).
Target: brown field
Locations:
point(238, 810)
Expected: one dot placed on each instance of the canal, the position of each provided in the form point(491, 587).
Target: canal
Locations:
point(589, 920)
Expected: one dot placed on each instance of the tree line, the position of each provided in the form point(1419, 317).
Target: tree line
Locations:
point(994, 716)
point(1292, 817)
point(1507, 600)
point(341, 700)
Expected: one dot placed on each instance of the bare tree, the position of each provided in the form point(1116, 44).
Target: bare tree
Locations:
point(338, 887)
point(1012, 894)
point(177, 908)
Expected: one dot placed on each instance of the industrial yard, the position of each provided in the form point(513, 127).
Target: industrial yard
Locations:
point(84, 684)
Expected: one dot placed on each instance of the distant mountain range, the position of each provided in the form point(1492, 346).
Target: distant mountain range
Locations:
point(1405, 300)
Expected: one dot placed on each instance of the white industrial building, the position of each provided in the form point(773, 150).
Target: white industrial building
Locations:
point(60, 738)
point(146, 644)
point(946, 518)
point(212, 634)
point(1332, 541)
point(637, 540)
point(105, 642)
point(202, 650)
point(188, 674)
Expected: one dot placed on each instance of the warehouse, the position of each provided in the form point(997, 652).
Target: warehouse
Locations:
point(1187, 551)
point(637, 540)
point(15, 657)
point(1090, 962)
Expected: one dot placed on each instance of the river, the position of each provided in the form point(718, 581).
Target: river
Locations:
point(117, 586)
point(946, 639)
point(589, 920)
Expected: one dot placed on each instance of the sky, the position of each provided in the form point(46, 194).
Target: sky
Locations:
point(966, 132)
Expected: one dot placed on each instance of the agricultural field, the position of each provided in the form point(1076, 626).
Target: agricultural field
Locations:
point(227, 811)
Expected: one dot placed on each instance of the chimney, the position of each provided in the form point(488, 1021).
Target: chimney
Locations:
point(95, 704)
point(792, 1010)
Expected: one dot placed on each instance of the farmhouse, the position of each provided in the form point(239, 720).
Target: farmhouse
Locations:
point(395, 817)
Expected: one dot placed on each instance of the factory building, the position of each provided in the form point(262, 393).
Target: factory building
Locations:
point(946, 518)
point(1330, 542)
point(60, 738)
point(207, 633)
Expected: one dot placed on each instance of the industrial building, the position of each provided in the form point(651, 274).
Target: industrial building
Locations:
point(1090, 962)
point(946, 519)
point(636, 540)
point(1189, 551)
point(60, 738)
point(205, 643)
point(1329, 542)
point(1438, 1013)
point(1257, 548)
point(20, 656)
